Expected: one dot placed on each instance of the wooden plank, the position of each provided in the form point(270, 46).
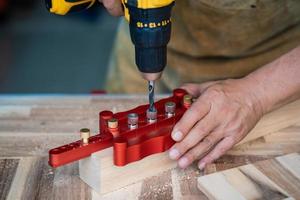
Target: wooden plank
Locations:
point(281, 175)
point(19, 182)
point(67, 185)
point(289, 163)
point(39, 180)
point(31, 144)
point(267, 179)
point(282, 142)
point(55, 121)
point(33, 179)
point(8, 169)
point(283, 117)
point(15, 111)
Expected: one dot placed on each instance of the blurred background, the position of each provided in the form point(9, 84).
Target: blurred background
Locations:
point(44, 53)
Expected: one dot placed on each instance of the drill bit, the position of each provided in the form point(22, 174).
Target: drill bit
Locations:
point(151, 96)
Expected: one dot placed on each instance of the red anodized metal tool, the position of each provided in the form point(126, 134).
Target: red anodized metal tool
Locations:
point(129, 145)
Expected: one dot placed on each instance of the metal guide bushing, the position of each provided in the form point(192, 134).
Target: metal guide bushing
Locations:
point(151, 115)
point(170, 108)
point(187, 100)
point(85, 135)
point(112, 123)
point(133, 120)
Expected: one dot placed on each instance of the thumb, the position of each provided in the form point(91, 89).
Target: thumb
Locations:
point(114, 7)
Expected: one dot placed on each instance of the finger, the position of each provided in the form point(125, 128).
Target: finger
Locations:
point(197, 133)
point(114, 7)
point(200, 150)
point(196, 112)
point(220, 149)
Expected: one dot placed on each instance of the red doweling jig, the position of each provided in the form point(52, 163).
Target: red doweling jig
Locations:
point(133, 134)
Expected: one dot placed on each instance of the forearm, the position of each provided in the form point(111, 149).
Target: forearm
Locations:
point(277, 83)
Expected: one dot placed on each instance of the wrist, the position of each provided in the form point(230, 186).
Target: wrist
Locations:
point(257, 94)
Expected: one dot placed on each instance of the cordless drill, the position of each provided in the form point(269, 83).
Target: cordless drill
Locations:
point(150, 31)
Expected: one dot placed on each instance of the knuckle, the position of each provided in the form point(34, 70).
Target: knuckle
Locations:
point(191, 156)
point(231, 141)
point(196, 109)
point(215, 93)
point(208, 141)
point(222, 150)
point(183, 146)
point(239, 129)
point(209, 159)
point(202, 130)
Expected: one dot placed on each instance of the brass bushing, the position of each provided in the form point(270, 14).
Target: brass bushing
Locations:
point(85, 135)
point(187, 99)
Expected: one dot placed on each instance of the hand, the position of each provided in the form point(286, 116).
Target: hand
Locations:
point(223, 114)
point(114, 7)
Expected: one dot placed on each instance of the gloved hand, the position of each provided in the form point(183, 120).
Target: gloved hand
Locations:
point(114, 7)
point(223, 115)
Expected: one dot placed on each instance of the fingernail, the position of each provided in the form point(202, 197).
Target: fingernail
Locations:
point(177, 135)
point(183, 162)
point(174, 154)
point(201, 166)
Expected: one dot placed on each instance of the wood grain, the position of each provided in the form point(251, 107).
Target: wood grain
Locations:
point(269, 179)
point(283, 117)
point(8, 169)
point(31, 125)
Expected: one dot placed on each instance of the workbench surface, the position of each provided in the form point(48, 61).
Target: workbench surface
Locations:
point(31, 125)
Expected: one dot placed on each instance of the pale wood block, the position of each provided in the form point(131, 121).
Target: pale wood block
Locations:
point(292, 163)
point(99, 172)
point(131, 192)
point(260, 179)
point(216, 186)
point(269, 179)
point(242, 184)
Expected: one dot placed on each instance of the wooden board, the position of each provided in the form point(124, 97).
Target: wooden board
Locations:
point(99, 168)
point(31, 125)
point(278, 119)
point(277, 178)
